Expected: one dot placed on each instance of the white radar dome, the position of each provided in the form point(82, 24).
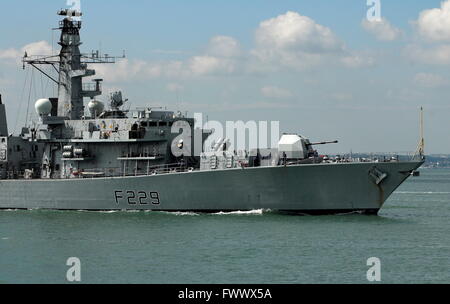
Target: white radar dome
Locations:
point(43, 106)
point(96, 107)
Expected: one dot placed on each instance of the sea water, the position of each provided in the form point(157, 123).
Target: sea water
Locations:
point(410, 237)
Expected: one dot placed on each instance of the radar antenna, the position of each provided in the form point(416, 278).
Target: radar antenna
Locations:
point(71, 66)
point(117, 100)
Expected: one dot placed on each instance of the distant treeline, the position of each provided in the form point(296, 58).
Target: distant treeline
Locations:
point(438, 161)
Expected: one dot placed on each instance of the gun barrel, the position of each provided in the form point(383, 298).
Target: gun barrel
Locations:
point(324, 143)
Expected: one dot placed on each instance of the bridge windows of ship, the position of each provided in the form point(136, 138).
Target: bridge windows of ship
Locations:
point(154, 124)
point(136, 132)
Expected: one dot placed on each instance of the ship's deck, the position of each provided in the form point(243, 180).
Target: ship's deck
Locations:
point(180, 168)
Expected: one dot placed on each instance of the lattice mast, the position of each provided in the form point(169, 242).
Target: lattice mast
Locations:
point(71, 66)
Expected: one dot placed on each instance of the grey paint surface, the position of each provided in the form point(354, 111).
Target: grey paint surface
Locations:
point(323, 187)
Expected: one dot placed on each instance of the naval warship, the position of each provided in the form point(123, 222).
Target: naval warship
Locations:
point(83, 155)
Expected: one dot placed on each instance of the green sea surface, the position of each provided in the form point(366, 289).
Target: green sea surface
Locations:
point(411, 237)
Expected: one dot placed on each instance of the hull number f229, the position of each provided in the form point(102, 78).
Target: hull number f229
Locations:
point(137, 197)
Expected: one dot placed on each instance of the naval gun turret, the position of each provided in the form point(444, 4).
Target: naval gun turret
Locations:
point(294, 148)
point(297, 147)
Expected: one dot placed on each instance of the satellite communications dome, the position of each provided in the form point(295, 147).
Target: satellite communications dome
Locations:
point(96, 107)
point(43, 106)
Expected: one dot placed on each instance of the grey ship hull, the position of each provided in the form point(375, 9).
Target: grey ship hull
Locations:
point(311, 189)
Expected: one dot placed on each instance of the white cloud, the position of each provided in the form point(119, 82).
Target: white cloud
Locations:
point(292, 31)
point(289, 41)
point(275, 92)
point(429, 80)
point(197, 66)
point(439, 55)
point(171, 69)
point(131, 70)
point(124, 70)
point(224, 46)
point(295, 41)
point(10, 54)
point(357, 61)
point(38, 48)
point(383, 30)
point(434, 24)
point(210, 65)
point(35, 48)
point(220, 59)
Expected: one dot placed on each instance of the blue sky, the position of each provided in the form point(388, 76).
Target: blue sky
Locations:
point(315, 66)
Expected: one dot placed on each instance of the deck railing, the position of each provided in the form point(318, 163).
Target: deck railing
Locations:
point(116, 172)
point(378, 157)
point(181, 168)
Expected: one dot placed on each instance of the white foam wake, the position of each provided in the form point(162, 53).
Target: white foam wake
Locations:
point(178, 213)
point(250, 212)
point(417, 192)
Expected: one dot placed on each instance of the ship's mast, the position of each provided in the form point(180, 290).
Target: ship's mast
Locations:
point(71, 66)
point(422, 138)
point(421, 146)
point(71, 71)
